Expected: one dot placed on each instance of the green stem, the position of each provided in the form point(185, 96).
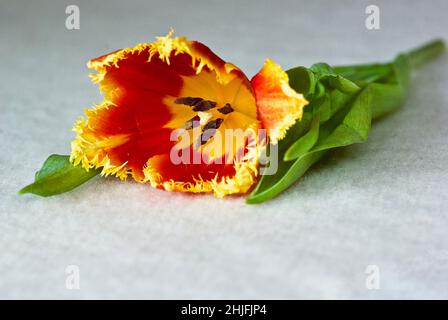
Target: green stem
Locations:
point(425, 53)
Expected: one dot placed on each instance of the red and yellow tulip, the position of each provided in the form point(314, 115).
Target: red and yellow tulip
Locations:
point(155, 88)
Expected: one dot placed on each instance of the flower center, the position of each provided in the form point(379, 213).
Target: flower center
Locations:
point(203, 116)
point(215, 115)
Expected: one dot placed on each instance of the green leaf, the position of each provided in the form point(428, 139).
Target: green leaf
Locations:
point(346, 114)
point(320, 90)
point(335, 101)
point(299, 129)
point(288, 173)
point(402, 72)
point(385, 98)
point(322, 69)
point(349, 125)
point(342, 84)
point(354, 127)
point(327, 75)
point(425, 53)
point(304, 143)
point(346, 128)
point(346, 99)
point(364, 73)
point(389, 96)
point(58, 175)
point(302, 80)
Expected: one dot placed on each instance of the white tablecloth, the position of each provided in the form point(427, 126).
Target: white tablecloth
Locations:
point(381, 204)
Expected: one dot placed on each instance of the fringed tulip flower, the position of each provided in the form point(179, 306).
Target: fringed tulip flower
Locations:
point(153, 89)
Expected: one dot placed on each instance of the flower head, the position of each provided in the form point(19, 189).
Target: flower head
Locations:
point(171, 108)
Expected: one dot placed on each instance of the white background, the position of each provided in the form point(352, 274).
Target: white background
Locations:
point(382, 203)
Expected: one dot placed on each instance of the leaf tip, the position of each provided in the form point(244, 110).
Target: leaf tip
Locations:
point(289, 156)
point(251, 200)
point(24, 190)
point(255, 198)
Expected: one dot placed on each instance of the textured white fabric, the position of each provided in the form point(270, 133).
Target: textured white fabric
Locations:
point(383, 203)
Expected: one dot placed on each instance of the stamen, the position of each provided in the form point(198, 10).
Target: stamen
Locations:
point(188, 101)
point(204, 105)
point(198, 104)
point(226, 109)
point(214, 124)
point(192, 123)
point(209, 130)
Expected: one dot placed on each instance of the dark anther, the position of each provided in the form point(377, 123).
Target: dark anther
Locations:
point(226, 109)
point(204, 105)
point(209, 130)
point(198, 104)
point(214, 124)
point(189, 101)
point(192, 123)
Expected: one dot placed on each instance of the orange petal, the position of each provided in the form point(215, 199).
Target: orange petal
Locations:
point(278, 105)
